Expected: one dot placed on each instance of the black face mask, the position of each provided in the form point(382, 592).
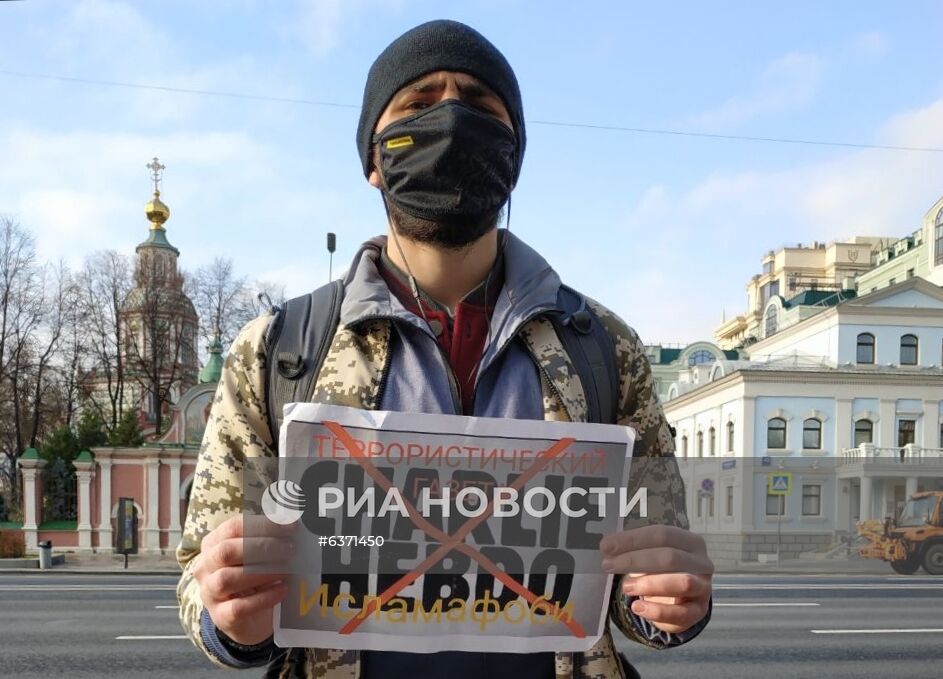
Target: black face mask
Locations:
point(448, 161)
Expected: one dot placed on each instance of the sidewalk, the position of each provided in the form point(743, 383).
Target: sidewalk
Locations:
point(811, 567)
point(77, 563)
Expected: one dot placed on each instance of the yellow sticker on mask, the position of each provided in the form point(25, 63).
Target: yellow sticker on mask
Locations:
point(399, 142)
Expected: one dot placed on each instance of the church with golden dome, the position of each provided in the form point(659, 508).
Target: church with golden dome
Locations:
point(159, 320)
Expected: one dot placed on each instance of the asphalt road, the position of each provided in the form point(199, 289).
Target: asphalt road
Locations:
point(818, 627)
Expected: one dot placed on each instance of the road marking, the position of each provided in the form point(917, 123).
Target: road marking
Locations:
point(151, 637)
point(877, 631)
point(174, 607)
point(87, 588)
point(763, 605)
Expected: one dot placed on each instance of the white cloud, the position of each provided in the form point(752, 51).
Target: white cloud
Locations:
point(707, 239)
point(789, 82)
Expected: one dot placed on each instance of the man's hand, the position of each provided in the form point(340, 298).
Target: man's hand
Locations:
point(241, 603)
point(669, 571)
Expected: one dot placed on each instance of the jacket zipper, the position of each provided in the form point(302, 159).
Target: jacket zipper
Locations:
point(457, 408)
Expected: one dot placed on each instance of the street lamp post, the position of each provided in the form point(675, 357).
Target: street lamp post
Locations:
point(331, 247)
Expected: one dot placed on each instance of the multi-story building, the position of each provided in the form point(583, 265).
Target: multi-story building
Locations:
point(843, 390)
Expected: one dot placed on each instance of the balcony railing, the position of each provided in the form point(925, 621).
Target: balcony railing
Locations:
point(909, 454)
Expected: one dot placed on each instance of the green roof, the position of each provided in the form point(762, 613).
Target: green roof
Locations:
point(30, 454)
point(84, 456)
point(213, 369)
point(819, 297)
point(157, 238)
point(666, 356)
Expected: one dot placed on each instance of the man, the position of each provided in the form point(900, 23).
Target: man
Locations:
point(446, 315)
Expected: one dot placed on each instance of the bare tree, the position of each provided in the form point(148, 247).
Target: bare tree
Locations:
point(219, 297)
point(258, 297)
point(104, 284)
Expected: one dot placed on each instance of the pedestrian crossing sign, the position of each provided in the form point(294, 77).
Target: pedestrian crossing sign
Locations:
point(779, 484)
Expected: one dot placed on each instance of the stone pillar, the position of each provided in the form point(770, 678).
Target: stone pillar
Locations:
point(864, 511)
point(151, 541)
point(173, 535)
point(105, 543)
point(31, 467)
point(912, 484)
point(83, 472)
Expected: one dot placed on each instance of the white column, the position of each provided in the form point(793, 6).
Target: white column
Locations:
point(887, 426)
point(173, 536)
point(843, 425)
point(105, 543)
point(931, 425)
point(912, 482)
point(151, 541)
point(746, 475)
point(83, 473)
point(32, 471)
point(864, 511)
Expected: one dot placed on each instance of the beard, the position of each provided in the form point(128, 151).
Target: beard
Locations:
point(453, 233)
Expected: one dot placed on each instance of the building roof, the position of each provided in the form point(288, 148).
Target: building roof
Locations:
point(824, 298)
point(213, 370)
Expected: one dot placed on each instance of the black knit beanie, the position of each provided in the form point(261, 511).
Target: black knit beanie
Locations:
point(437, 46)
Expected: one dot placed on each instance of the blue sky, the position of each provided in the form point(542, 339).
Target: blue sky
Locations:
point(664, 229)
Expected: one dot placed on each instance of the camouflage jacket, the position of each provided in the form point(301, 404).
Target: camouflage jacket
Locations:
point(353, 375)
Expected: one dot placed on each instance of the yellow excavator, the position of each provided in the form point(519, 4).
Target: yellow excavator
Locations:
point(913, 539)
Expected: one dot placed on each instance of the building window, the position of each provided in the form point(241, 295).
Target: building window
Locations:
point(710, 504)
point(812, 434)
point(729, 511)
point(712, 439)
point(865, 348)
point(811, 499)
point(939, 237)
point(908, 350)
point(700, 444)
point(700, 357)
point(684, 446)
point(906, 432)
point(864, 432)
point(941, 434)
point(910, 273)
point(772, 321)
point(891, 282)
point(776, 433)
point(775, 505)
point(730, 437)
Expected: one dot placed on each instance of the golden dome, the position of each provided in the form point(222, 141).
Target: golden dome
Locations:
point(157, 213)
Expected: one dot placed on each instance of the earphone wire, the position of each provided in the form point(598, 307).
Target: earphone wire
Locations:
point(414, 287)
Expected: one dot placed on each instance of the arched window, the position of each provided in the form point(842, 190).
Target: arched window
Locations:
point(712, 438)
point(865, 348)
point(864, 432)
point(700, 357)
point(812, 434)
point(772, 321)
point(730, 437)
point(684, 446)
point(908, 350)
point(938, 237)
point(776, 433)
point(700, 444)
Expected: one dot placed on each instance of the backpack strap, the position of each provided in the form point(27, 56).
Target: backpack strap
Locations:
point(296, 345)
point(592, 353)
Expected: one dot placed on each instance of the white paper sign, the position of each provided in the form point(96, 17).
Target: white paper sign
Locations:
point(426, 533)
